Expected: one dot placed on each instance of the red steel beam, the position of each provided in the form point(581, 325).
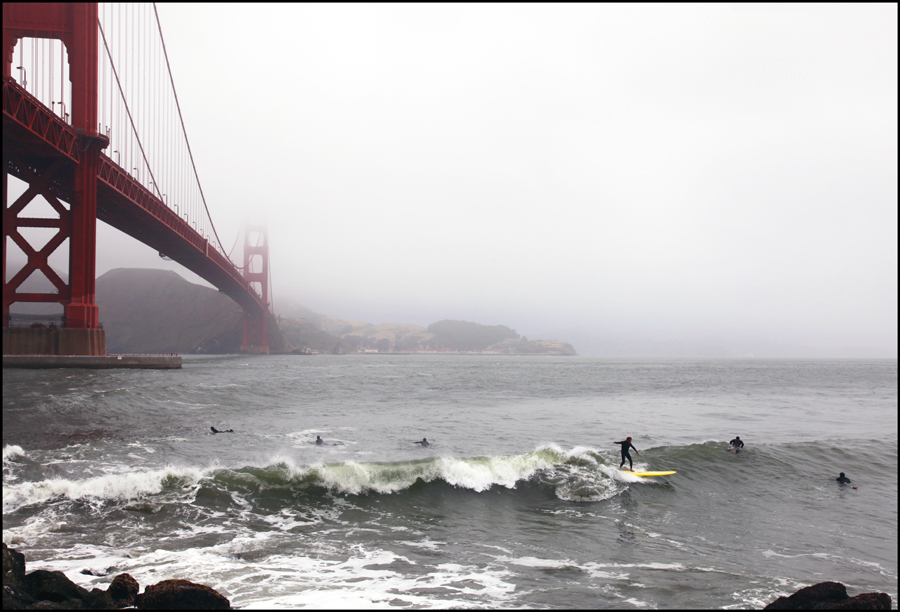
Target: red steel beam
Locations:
point(64, 162)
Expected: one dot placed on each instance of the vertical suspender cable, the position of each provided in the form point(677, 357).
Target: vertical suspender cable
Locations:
point(52, 62)
point(127, 110)
point(101, 88)
point(129, 84)
point(187, 143)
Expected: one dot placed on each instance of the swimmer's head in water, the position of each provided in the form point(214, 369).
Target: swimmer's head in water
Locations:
point(842, 474)
point(628, 439)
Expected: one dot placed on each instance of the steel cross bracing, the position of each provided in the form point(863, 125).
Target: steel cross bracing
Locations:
point(62, 162)
point(32, 133)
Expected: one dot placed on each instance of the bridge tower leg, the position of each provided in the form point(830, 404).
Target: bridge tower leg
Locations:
point(256, 324)
point(75, 24)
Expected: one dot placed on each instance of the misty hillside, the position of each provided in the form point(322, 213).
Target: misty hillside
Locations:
point(446, 335)
point(157, 311)
point(466, 336)
point(443, 336)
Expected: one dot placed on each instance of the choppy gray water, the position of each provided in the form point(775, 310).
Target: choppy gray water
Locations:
point(518, 502)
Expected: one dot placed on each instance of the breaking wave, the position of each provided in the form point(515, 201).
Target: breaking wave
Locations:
point(582, 474)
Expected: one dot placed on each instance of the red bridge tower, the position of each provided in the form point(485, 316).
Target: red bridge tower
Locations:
point(48, 174)
point(256, 324)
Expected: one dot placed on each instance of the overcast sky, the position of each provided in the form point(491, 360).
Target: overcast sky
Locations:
point(714, 176)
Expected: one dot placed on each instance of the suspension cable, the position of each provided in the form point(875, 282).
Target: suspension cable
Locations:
point(236, 238)
point(128, 110)
point(187, 142)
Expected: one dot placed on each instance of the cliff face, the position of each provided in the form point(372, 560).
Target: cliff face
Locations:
point(305, 336)
point(157, 311)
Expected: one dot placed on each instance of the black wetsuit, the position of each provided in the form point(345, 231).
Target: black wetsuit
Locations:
point(423, 442)
point(319, 441)
point(843, 480)
point(737, 443)
point(625, 455)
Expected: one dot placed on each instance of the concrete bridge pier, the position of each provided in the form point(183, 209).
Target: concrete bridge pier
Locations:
point(53, 341)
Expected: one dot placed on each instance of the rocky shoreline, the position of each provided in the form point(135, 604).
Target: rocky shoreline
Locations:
point(830, 596)
point(44, 590)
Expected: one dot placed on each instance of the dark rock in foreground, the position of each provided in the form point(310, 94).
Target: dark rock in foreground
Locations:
point(123, 590)
point(52, 586)
point(46, 590)
point(181, 595)
point(13, 568)
point(16, 598)
point(830, 596)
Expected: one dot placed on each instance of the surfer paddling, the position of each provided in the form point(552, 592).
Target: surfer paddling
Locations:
point(215, 431)
point(626, 444)
point(423, 442)
point(843, 479)
point(737, 444)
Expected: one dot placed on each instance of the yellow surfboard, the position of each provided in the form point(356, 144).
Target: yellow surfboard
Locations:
point(648, 473)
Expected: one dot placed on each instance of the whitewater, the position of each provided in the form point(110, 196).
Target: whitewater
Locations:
point(518, 501)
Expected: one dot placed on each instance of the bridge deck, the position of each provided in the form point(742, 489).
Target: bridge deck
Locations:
point(34, 139)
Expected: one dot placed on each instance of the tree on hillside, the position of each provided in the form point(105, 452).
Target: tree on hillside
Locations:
point(410, 343)
point(468, 336)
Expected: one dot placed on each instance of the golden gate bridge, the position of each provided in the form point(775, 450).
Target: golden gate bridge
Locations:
point(92, 125)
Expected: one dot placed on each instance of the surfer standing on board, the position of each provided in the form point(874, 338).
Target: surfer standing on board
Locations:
point(626, 444)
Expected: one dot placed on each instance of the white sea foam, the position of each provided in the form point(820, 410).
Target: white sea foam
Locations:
point(426, 544)
point(654, 566)
point(535, 562)
point(585, 453)
point(478, 474)
point(594, 572)
point(11, 451)
point(111, 486)
point(482, 474)
point(617, 474)
point(141, 446)
point(364, 579)
point(32, 529)
point(289, 519)
point(638, 603)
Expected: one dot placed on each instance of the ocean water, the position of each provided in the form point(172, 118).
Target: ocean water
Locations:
point(517, 503)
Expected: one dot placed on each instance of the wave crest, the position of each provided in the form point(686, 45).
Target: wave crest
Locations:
point(108, 487)
point(11, 451)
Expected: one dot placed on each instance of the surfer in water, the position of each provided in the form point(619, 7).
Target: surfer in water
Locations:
point(626, 444)
point(214, 430)
point(737, 444)
point(423, 442)
point(319, 441)
point(843, 479)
